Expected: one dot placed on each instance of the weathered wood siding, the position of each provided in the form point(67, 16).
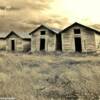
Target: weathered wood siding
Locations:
point(97, 38)
point(87, 39)
point(20, 44)
point(3, 44)
point(50, 40)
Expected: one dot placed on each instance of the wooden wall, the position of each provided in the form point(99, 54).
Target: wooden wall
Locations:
point(3, 44)
point(97, 38)
point(87, 39)
point(50, 38)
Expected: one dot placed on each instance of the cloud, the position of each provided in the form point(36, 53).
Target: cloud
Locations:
point(15, 14)
point(49, 20)
point(24, 15)
point(22, 4)
point(9, 8)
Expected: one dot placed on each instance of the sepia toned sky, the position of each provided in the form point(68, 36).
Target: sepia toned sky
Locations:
point(24, 15)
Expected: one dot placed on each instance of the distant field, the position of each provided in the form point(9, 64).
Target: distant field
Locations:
point(50, 77)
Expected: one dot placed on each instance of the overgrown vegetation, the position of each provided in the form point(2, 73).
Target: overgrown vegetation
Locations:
point(50, 77)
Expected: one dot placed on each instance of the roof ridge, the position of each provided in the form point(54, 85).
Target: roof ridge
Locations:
point(81, 25)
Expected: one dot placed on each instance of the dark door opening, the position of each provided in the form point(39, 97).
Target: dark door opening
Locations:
point(58, 42)
point(78, 45)
point(13, 45)
point(42, 44)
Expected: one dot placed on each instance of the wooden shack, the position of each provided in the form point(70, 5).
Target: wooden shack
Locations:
point(15, 43)
point(43, 39)
point(78, 38)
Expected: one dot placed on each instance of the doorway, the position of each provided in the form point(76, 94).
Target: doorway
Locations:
point(13, 45)
point(78, 44)
point(58, 42)
point(42, 44)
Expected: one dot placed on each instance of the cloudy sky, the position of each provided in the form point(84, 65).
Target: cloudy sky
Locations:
point(24, 15)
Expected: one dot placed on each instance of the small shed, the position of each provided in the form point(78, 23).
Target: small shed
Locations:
point(78, 38)
point(15, 43)
point(43, 39)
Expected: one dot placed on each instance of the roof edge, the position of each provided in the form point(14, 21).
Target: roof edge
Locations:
point(65, 29)
point(40, 27)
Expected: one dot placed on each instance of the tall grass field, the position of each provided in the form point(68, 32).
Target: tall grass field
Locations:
point(50, 76)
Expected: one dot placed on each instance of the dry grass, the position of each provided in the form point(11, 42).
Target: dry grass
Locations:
point(42, 77)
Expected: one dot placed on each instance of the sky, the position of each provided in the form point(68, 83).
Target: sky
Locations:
point(25, 15)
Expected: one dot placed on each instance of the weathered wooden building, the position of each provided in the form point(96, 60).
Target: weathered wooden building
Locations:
point(74, 38)
point(43, 39)
point(15, 43)
point(77, 38)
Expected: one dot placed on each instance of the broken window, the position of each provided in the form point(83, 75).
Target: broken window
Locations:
point(77, 31)
point(43, 32)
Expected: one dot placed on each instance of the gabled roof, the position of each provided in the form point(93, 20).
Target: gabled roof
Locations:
point(5, 35)
point(24, 35)
point(12, 32)
point(43, 26)
point(92, 29)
